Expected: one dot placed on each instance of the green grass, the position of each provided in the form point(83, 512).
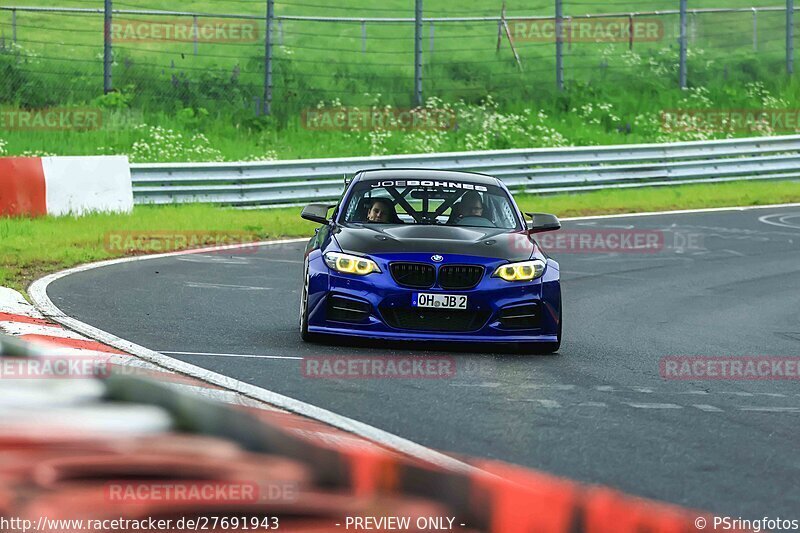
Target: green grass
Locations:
point(609, 202)
point(31, 248)
point(215, 92)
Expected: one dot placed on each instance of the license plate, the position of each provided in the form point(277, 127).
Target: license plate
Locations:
point(440, 301)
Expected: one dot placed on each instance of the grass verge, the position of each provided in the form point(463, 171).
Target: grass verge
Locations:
point(31, 248)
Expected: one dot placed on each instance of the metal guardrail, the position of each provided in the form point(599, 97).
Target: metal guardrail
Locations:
point(545, 170)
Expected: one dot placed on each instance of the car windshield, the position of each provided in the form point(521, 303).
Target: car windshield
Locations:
point(430, 202)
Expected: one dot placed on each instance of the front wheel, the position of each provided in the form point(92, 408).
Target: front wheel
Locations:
point(304, 333)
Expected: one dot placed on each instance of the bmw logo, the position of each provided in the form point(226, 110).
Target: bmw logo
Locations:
point(437, 258)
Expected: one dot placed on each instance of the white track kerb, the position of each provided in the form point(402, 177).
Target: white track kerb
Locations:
point(38, 294)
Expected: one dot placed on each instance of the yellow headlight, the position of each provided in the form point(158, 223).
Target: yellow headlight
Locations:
point(524, 271)
point(350, 264)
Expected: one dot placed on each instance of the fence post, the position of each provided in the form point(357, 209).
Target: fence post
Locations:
point(683, 69)
point(363, 36)
point(790, 37)
point(755, 29)
point(14, 26)
point(196, 31)
point(107, 52)
point(267, 105)
point(418, 52)
point(280, 32)
point(559, 46)
point(630, 31)
point(430, 37)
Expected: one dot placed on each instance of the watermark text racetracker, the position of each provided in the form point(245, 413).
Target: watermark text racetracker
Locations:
point(397, 367)
point(219, 491)
point(133, 242)
point(200, 29)
point(604, 241)
point(730, 120)
point(745, 368)
point(371, 119)
point(68, 119)
point(51, 119)
point(65, 364)
point(194, 492)
point(378, 367)
point(55, 367)
point(589, 30)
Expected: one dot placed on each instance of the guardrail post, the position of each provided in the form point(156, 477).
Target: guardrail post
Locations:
point(107, 52)
point(267, 103)
point(559, 46)
point(683, 68)
point(755, 29)
point(790, 37)
point(418, 52)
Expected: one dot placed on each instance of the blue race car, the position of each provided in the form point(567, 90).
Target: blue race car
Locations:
point(428, 255)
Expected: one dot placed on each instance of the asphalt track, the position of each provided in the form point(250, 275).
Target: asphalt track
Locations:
point(726, 283)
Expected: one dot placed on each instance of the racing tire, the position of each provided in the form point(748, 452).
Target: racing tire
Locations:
point(304, 333)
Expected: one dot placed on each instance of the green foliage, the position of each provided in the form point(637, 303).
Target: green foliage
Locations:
point(191, 118)
point(115, 100)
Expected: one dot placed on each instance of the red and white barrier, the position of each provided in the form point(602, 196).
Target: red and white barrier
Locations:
point(36, 186)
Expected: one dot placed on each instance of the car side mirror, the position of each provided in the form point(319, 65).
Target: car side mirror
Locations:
point(316, 213)
point(542, 222)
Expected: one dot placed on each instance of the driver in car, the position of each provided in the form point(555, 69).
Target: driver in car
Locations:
point(382, 211)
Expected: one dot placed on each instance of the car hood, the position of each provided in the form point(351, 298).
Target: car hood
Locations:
point(459, 240)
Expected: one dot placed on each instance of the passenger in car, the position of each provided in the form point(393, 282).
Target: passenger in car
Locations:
point(470, 205)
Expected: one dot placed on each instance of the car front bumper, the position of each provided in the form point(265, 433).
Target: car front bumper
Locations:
point(382, 303)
